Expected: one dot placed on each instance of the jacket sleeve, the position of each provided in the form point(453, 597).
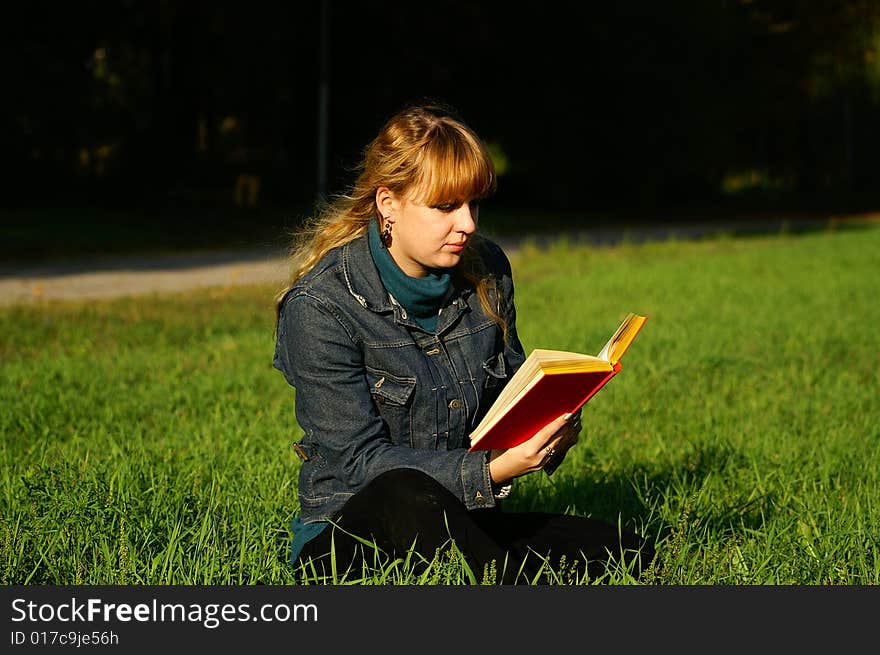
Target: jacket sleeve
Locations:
point(320, 357)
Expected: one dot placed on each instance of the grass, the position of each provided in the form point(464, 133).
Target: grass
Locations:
point(146, 441)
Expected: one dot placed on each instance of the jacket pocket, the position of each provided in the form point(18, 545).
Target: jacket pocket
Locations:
point(496, 375)
point(385, 387)
point(496, 371)
point(392, 396)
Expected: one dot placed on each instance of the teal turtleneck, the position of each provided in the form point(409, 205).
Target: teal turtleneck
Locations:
point(421, 297)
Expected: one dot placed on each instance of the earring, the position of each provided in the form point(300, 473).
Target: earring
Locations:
point(385, 237)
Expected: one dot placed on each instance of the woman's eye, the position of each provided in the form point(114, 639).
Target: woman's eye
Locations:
point(445, 207)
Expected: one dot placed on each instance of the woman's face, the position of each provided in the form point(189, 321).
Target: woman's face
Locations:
point(424, 238)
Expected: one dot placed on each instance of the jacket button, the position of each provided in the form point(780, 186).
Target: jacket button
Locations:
point(455, 403)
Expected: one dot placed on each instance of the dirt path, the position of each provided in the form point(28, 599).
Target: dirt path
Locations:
point(111, 277)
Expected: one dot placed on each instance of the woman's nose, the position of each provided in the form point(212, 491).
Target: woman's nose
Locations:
point(466, 220)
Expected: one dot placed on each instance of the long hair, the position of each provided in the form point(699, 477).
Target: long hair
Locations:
point(425, 149)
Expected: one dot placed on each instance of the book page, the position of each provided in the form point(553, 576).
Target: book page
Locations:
point(622, 338)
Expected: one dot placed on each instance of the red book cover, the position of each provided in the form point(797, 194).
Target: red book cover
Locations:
point(551, 396)
point(547, 385)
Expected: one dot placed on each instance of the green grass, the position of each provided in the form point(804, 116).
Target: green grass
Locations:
point(147, 441)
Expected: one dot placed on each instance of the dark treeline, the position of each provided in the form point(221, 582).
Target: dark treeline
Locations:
point(197, 104)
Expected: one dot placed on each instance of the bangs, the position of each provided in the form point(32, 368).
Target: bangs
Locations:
point(455, 168)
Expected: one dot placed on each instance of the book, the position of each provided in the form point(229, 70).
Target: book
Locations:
point(548, 384)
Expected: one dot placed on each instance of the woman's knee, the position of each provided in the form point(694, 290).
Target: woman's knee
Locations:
point(405, 487)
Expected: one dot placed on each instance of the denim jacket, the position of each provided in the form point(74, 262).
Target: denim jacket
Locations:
point(375, 391)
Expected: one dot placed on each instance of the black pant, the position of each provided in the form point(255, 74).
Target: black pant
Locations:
point(404, 509)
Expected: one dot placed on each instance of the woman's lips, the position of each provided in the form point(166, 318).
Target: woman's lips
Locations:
point(456, 247)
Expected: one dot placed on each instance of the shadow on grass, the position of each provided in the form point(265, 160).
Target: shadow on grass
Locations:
point(664, 504)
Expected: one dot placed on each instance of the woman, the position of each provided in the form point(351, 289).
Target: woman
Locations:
point(397, 331)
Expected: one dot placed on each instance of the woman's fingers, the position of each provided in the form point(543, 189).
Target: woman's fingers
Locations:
point(558, 435)
point(550, 430)
point(566, 436)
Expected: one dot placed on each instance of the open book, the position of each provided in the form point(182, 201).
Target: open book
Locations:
point(548, 384)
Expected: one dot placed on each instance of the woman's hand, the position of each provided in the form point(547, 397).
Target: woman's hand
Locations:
point(555, 437)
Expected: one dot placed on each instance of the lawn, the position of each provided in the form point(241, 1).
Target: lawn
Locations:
point(147, 440)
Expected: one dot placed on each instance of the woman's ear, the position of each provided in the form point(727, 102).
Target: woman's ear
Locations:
point(386, 201)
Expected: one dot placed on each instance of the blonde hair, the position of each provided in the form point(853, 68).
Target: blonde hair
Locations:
point(424, 149)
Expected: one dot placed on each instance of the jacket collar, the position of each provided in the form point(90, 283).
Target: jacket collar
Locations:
point(365, 285)
point(362, 276)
